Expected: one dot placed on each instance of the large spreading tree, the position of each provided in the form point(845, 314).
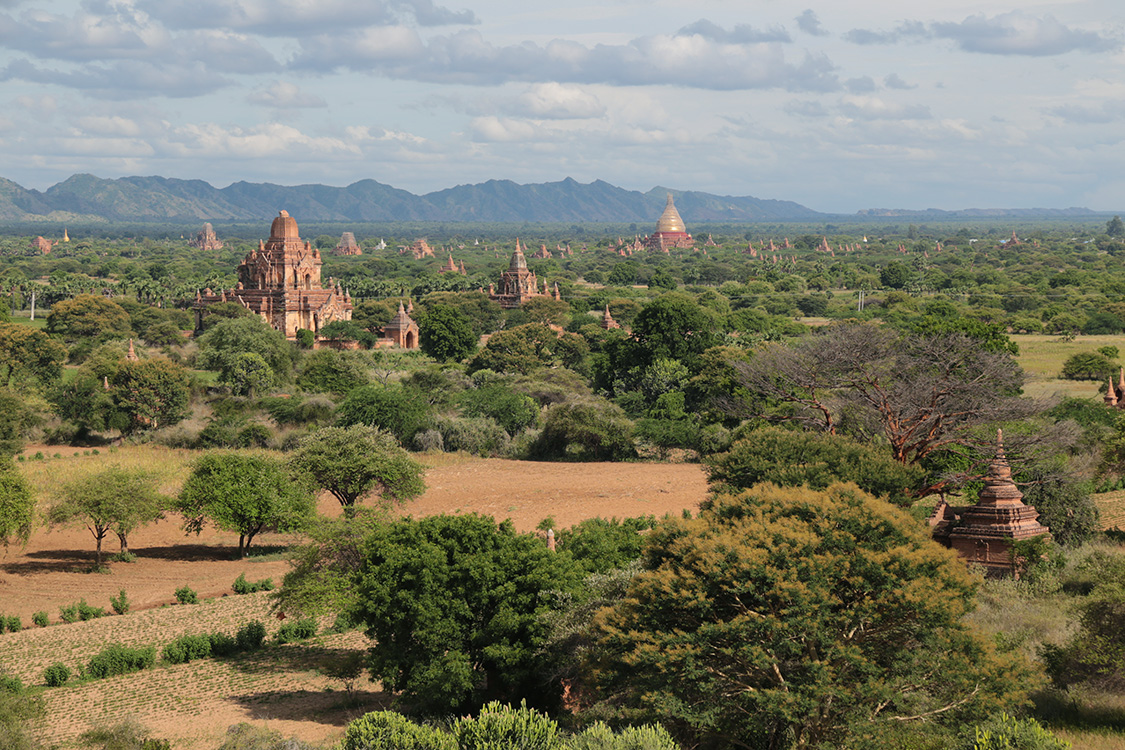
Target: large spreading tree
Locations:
point(793, 618)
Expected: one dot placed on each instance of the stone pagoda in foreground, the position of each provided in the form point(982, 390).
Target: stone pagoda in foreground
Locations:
point(983, 533)
point(280, 281)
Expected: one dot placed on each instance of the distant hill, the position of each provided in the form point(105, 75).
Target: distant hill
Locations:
point(150, 199)
point(85, 197)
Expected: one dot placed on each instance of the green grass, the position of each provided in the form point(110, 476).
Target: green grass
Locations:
point(24, 318)
point(1042, 357)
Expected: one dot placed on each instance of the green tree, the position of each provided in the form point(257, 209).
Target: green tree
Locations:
point(454, 605)
point(149, 394)
point(1088, 366)
point(28, 356)
point(1115, 227)
point(398, 410)
point(113, 500)
point(521, 349)
point(513, 411)
point(88, 316)
point(446, 333)
point(352, 462)
point(330, 371)
point(895, 275)
point(792, 459)
point(17, 504)
point(247, 374)
point(662, 279)
point(783, 617)
point(589, 429)
point(231, 337)
point(18, 413)
point(245, 493)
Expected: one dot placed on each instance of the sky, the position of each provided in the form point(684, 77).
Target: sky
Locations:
point(840, 106)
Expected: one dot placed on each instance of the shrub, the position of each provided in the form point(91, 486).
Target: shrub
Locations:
point(184, 595)
point(222, 644)
point(125, 557)
point(387, 730)
point(600, 736)
point(10, 684)
point(250, 636)
point(120, 603)
point(1004, 732)
point(242, 586)
point(500, 727)
point(56, 675)
point(127, 735)
point(41, 619)
point(480, 436)
point(79, 611)
point(586, 430)
point(1088, 366)
point(118, 659)
point(254, 436)
point(296, 631)
point(13, 624)
point(187, 648)
point(249, 737)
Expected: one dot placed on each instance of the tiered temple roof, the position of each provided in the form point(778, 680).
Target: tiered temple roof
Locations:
point(347, 245)
point(983, 533)
point(518, 284)
point(670, 231)
point(280, 281)
point(206, 239)
point(401, 331)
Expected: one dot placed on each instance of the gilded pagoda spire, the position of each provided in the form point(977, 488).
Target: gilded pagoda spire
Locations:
point(670, 220)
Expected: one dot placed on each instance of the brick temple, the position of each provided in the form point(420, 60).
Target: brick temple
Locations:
point(518, 284)
point(280, 281)
point(670, 231)
point(983, 533)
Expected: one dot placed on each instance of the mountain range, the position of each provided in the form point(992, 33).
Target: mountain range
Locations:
point(84, 197)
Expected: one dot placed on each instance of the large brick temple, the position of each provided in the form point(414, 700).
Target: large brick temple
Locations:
point(280, 281)
point(670, 231)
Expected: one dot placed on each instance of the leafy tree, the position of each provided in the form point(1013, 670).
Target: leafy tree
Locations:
point(674, 326)
point(783, 617)
point(28, 356)
point(895, 275)
point(1096, 653)
point(17, 504)
point(220, 311)
point(623, 274)
point(330, 371)
point(18, 413)
point(1115, 227)
point(1088, 366)
point(352, 462)
point(521, 349)
point(454, 606)
point(662, 279)
point(247, 374)
point(588, 429)
point(149, 394)
point(246, 493)
point(446, 333)
point(792, 459)
point(113, 500)
point(398, 410)
point(512, 410)
point(229, 338)
point(88, 316)
point(599, 545)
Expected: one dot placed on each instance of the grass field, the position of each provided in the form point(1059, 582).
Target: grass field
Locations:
point(1112, 507)
point(1042, 358)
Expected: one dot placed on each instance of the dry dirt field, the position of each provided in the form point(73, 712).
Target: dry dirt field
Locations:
point(280, 687)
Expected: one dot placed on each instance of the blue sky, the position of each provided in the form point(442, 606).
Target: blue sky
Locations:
point(839, 106)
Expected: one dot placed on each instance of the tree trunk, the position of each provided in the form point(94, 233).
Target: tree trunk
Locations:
point(121, 537)
point(243, 546)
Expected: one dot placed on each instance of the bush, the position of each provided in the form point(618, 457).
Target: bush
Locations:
point(127, 735)
point(249, 737)
point(250, 636)
point(254, 436)
point(13, 624)
point(600, 736)
point(598, 545)
point(10, 684)
point(242, 586)
point(1088, 366)
point(300, 630)
point(185, 595)
point(56, 675)
point(41, 619)
point(387, 730)
point(1007, 733)
point(223, 644)
point(586, 430)
point(480, 436)
point(80, 611)
point(117, 659)
point(187, 648)
point(500, 727)
point(120, 603)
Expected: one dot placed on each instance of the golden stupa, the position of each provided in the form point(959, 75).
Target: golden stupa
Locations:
point(670, 220)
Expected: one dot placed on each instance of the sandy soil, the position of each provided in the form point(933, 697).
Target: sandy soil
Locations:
point(52, 570)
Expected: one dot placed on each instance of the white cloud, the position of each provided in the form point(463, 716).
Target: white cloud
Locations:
point(557, 101)
point(874, 108)
point(1020, 33)
point(285, 95)
point(503, 130)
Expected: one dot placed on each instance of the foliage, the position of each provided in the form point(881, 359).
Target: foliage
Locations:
point(585, 430)
point(151, 393)
point(186, 648)
point(120, 603)
point(40, 618)
point(300, 630)
point(398, 410)
point(446, 333)
point(250, 636)
point(600, 736)
point(387, 730)
point(18, 711)
point(521, 349)
point(354, 461)
point(242, 586)
point(781, 617)
point(1064, 504)
point(251, 737)
point(598, 545)
point(56, 674)
point(114, 499)
point(79, 611)
point(186, 595)
point(220, 346)
point(479, 436)
point(454, 606)
point(88, 316)
point(1096, 653)
point(1005, 732)
point(501, 727)
point(28, 356)
point(247, 374)
point(117, 659)
point(127, 735)
point(245, 493)
point(18, 413)
point(17, 504)
point(330, 371)
point(1088, 366)
point(512, 410)
point(791, 459)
